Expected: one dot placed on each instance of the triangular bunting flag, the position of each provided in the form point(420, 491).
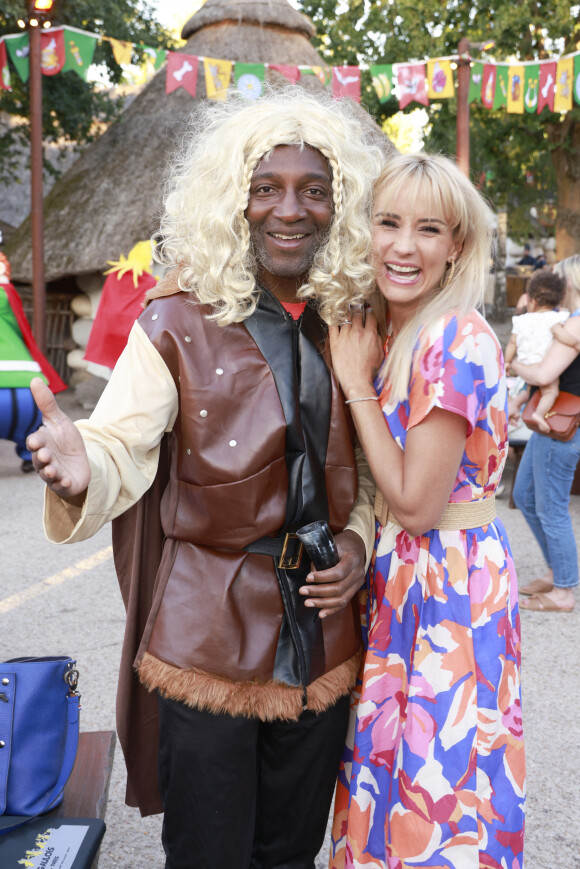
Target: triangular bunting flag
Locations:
point(79, 50)
point(346, 82)
point(18, 51)
point(440, 79)
point(249, 80)
point(564, 79)
point(576, 88)
point(488, 83)
point(475, 82)
point(412, 84)
point(122, 51)
point(515, 96)
point(5, 83)
point(547, 85)
point(531, 87)
point(155, 56)
point(383, 83)
point(292, 73)
point(52, 52)
point(500, 97)
point(324, 73)
point(217, 77)
point(181, 72)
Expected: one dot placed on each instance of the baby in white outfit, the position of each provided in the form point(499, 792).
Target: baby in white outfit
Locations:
point(532, 335)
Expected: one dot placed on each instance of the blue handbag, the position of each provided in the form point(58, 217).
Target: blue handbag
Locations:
point(39, 730)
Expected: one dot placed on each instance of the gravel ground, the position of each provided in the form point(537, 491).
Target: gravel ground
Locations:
point(80, 613)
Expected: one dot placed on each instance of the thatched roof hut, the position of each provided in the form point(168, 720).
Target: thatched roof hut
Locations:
point(110, 197)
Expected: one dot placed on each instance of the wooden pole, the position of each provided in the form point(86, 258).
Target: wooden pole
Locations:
point(36, 209)
point(462, 134)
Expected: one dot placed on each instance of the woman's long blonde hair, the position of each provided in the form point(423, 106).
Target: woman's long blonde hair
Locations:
point(569, 269)
point(204, 232)
point(438, 183)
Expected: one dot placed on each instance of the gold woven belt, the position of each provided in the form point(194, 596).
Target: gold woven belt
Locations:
point(456, 517)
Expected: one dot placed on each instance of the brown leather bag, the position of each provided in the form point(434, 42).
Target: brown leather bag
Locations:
point(563, 418)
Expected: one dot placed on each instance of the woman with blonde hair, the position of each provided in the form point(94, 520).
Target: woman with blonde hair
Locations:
point(433, 773)
point(546, 471)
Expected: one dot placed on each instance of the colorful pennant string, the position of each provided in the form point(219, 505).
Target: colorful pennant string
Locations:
point(519, 88)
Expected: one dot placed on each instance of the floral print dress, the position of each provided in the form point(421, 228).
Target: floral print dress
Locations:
point(433, 772)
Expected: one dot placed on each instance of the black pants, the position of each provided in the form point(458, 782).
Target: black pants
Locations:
point(243, 794)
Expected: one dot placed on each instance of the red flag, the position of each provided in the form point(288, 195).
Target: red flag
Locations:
point(412, 84)
point(488, 83)
point(4, 70)
point(53, 52)
point(346, 82)
point(547, 83)
point(119, 306)
point(292, 73)
point(181, 72)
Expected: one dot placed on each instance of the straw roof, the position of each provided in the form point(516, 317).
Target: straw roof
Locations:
point(111, 196)
point(263, 12)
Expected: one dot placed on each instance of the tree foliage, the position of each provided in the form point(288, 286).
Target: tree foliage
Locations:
point(73, 110)
point(510, 154)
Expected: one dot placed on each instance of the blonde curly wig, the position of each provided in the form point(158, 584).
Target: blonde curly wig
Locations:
point(203, 229)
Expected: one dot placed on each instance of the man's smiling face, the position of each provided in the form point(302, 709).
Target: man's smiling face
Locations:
point(289, 212)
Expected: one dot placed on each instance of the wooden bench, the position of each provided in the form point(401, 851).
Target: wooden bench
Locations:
point(87, 790)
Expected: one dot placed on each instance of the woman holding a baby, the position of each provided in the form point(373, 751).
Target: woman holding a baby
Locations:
point(546, 471)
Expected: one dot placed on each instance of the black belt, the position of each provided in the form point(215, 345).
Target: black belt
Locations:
point(287, 549)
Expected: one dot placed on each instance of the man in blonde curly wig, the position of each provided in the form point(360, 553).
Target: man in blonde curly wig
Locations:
point(221, 433)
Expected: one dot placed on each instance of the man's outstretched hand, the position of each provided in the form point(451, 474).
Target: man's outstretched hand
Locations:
point(58, 450)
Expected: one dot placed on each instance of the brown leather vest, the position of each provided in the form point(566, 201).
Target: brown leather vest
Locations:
point(262, 443)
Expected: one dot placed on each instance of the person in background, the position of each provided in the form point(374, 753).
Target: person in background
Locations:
point(531, 336)
point(434, 772)
point(20, 361)
point(527, 259)
point(220, 433)
point(546, 470)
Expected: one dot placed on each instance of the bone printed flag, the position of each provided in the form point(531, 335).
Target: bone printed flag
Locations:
point(181, 72)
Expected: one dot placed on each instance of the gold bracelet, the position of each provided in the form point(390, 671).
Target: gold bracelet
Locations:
point(366, 398)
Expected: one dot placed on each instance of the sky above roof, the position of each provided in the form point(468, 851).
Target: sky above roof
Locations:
point(174, 13)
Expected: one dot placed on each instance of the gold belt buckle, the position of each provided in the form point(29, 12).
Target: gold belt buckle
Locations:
point(289, 562)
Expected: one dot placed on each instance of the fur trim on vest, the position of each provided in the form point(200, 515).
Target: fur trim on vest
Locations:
point(266, 701)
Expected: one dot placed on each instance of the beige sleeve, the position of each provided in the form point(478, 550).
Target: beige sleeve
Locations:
point(122, 440)
point(362, 517)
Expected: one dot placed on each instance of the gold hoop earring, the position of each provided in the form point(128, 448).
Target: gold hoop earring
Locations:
point(448, 275)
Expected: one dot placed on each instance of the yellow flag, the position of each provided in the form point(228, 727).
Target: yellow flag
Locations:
point(439, 79)
point(121, 50)
point(564, 81)
point(217, 77)
point(515, 94)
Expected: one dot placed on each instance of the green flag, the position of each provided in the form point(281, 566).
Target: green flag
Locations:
point(79, 48)
point(501, 87)
point(249, 79)
point(324, 73)
point(475, 80)
point(18, 49)
point(383, 82)
point(531, 87)
point(155, 56)
point(576, 88)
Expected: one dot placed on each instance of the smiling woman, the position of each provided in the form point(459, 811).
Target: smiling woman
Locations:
point(438, 731)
